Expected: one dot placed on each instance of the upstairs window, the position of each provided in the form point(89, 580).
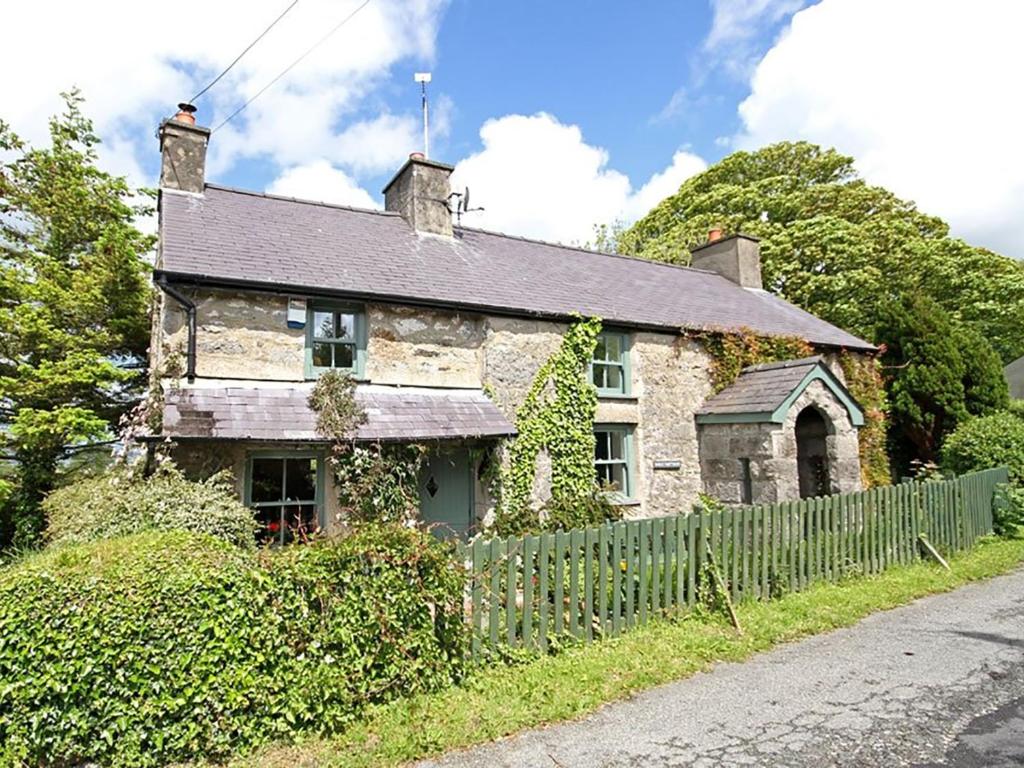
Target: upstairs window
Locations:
point(285, 492)
point(609, 370)
point(613, 460)
point(336, 340)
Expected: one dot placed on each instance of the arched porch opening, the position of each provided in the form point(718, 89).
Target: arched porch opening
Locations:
point(812, 430)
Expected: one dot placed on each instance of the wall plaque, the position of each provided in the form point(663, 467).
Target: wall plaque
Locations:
point(668, 464)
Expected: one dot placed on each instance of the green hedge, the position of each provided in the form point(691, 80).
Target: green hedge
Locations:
point(119, 503)
point(172, 646)
point(979, 443)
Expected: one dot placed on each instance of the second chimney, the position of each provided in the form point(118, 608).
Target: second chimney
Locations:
point(420, 192)
point(736, 257)
point(183, 152)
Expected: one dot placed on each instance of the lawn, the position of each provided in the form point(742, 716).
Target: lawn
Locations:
point(499, 700)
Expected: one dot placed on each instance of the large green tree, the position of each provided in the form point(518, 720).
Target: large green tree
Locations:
point(74, 297)
point(835, 245)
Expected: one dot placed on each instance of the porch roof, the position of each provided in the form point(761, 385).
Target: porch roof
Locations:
point(764, 393)
point(246, 411)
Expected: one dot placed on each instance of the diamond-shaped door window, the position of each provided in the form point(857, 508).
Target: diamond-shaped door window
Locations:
point(432, 486)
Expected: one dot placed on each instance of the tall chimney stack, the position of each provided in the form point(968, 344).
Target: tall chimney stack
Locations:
point(736, 257)
point(420, 192)
point(183, 151)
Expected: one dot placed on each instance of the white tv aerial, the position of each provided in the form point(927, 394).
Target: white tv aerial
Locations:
point(423, 78)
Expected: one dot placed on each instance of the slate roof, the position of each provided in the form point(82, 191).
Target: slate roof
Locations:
point(232, 237)
point(760, 392)
point(760, 388)
point(282, 414)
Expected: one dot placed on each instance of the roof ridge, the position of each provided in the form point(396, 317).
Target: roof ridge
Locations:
point(300, 200)
point(797, 362)
point(580, 249)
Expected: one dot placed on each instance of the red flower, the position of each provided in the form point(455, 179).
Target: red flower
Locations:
point(274, 527)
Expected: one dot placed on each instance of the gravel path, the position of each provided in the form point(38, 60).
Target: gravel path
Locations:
point(939, 682)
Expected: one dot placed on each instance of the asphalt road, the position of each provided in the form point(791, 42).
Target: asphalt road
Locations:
point(936, 683)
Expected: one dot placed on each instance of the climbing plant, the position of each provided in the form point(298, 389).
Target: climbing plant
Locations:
point(376, 483)
point(731, 352)
point(556, 416)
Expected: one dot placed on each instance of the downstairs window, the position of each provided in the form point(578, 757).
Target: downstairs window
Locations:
point(285, 492)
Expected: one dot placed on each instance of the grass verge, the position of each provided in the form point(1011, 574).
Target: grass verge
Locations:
point(497, 701)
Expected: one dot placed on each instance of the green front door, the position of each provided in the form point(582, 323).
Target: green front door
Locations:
point(446, 493)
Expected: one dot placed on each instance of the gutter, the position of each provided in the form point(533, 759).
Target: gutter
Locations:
point(190, 312)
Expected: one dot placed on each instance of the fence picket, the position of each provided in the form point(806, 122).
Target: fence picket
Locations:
point(529, 551)
point(544, 612)
point(575, 548)
point(631, 545)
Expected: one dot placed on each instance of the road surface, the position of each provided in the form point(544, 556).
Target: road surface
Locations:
point(936, 683)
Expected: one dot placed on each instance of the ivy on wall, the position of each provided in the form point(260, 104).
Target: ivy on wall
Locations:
point(731, 352)
point(864, 380)
point(556, 416)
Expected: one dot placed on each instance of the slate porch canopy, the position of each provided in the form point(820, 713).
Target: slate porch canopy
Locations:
point(766, 392)
point(271, 414)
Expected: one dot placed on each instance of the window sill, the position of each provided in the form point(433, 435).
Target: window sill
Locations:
point(620, 398)
point(625, 502)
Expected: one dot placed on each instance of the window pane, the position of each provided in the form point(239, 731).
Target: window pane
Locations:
point(322, 355)
point(269, 521)
point(613, 346)
point(617, 442)
point(617, 477)
point(601, 452)
point(346, 327)
point(600, 351)
point(344, 355)
point(266, 480)
point(300, 480)
point(604, 474)
point(612, 377)
point(301, 522)
point(599, 377)
point(323, 325)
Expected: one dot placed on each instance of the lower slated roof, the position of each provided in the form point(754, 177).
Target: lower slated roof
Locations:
point(245, 238)
point(283, 414)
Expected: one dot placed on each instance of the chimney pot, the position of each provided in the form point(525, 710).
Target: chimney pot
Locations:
point(714, 234)
point(186, 113)
point(416, 155)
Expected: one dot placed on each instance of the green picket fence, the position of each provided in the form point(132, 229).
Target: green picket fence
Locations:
point(598, 582)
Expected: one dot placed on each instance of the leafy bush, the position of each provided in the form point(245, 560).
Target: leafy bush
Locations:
point(1016, 407)
point(171, 646)
point(1008, 511)
point(119, 503)
point(988, 441)
point(565, 514)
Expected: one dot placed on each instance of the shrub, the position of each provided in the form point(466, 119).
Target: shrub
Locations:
point(171, 646)
point(118, 503)
point(566, 514)
point(990, 441)
point(1008, 511)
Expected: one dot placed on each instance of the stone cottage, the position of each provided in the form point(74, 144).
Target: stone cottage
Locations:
point(260, 294)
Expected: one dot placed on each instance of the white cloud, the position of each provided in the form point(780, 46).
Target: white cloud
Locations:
point(922, 94)
point(538, 177)
point(736, 26)
point(134, 61)
point(320, 181)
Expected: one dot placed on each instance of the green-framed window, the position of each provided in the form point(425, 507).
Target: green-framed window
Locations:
point(285, 491)
point(335, 339)
point(613, 459)
point(609, 370)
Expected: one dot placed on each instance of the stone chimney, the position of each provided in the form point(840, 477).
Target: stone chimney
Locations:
point(183, 151)
point(419, 192)
point(736, 257)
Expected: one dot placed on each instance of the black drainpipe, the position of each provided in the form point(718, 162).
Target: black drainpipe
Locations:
point(190, 313)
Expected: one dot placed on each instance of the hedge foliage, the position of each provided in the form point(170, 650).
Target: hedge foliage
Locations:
point(174, 646)
point(996, 440)
point(119, 503)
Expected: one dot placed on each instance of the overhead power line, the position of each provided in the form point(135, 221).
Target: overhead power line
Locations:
point(247, 49)
point(295, 63)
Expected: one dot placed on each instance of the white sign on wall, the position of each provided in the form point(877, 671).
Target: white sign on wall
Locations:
point(296, 313)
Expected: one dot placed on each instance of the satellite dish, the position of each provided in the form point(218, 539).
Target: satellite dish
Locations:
point(465, 199)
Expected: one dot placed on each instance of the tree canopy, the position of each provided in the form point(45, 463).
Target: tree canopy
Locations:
point(74, 298)
point(835, 245)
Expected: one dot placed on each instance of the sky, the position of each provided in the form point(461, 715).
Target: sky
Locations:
point(557, 115)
